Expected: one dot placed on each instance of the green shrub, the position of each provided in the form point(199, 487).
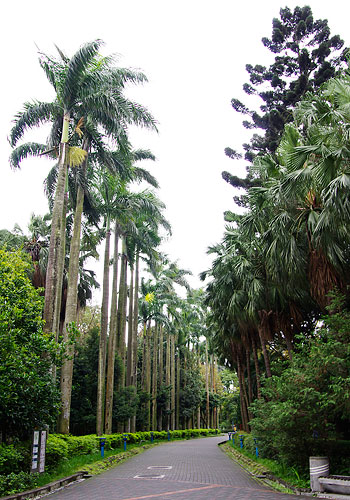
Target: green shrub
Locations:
point(338, 452)
point(248, 442)
point(82, 445)
point(14, 483)
point(11, 459)
point(56, 450)
point(114, 441)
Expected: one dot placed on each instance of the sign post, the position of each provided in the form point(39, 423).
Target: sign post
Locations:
point(38, 451)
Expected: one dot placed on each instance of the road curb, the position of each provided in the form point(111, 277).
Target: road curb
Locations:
point(267, 478)
point(48, 488)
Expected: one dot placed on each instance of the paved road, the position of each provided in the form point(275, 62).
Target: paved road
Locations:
point(179, 470)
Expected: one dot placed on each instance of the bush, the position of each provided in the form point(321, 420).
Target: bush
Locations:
point(309, 398)
point(28, 395)
point(60, 447)
point(248, 442)
point(14, 483)
point(56, 450)
point(11, 459)
point(338, 452)
point(81, 445)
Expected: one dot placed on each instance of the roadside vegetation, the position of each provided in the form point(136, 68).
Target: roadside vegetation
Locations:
point(66, 455)
point(279, 284)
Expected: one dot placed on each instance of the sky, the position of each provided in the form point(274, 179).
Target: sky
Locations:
point(194, 54)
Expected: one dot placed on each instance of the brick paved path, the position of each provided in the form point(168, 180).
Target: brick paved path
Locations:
point(199, 470)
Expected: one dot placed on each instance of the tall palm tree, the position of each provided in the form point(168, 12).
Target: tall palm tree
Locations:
point(134, 211)
point(69, 91)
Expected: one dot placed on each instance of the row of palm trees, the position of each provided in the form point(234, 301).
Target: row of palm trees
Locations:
point(89, 121)
point(277, 264)
point(93, 179)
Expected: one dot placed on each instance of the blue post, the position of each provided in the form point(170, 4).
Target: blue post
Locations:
point(125, 438)
point(233, 438)
point(102, 446)
point(168, 435)
point(152, 436)
point(241, 437)
point(256, 448)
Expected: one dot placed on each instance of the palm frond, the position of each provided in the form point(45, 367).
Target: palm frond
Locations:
point(140, 174)
point(34, 114)
point(77, 65)
point(25, 150)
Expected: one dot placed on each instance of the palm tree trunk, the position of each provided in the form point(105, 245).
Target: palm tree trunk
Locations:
point(243, 394)
point(144, 348)
point(129, 365)
point(121, 314)
point(167, 378)
point(178, 386)
point(135, 328)
point(215, 410)
point(154, 377)
point(264, 351)
point(207, 384)
point(257, 371)
point(212, 388)
point(172, 368)
point(199, 406)
point(249, 376)
point(103, 335)
point(71, 315)
point(160, 373)
point(60, 272)
point(58, 225)
point(148, 374)
point(112, 337)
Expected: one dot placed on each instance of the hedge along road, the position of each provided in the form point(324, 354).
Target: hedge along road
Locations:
point(179, 470)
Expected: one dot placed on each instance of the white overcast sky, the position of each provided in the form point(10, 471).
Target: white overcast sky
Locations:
point(194, 54)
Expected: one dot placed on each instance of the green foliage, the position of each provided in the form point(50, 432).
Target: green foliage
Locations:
point(143, 410)
point(84, 393)
point(28, 396)
point(56, 450)
point(307, 407)
point(229, 410)
point(125, 403)
point(191, 393)
point(16, 482)
point(62, 448)
point(11, 459)
point(163, 397)
point(81, 445)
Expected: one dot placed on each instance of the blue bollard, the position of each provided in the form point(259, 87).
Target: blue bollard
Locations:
point(102, 446)
point(152, 437)
point(125, 438)
point(256, 448)
point(168, 435)
point(241, 437)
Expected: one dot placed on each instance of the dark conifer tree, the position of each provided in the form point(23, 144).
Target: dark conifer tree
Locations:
point(306, 55)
